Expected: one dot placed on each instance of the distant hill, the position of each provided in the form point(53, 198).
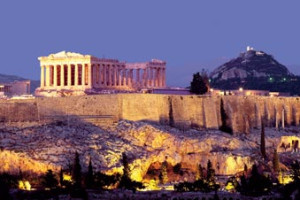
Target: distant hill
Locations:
point(255, 70)
point(11, 78)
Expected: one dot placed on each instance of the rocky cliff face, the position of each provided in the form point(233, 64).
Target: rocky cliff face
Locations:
point(254, 64)
point(36, 147)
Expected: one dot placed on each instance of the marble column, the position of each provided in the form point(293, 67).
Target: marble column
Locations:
point(62, 75)
point(124, 77)
point(138, 77)
point(146, 77)
point(131, 77)
point(109, 75)
point(83, 74)
point(93, 74)
point(48, 76)
point(151, 81)
point(76, 75)
point(100, 75)
point(69, 75)
point(51, 75)
point(42, 76)
point(159, 77)
point(145, 80)
point(90, 75)
point(55, 76)
point(115, 75)
point(104, 75)
point(119, 76)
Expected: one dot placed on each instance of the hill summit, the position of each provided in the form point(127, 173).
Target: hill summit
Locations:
point(255, 70)
point(250, 64)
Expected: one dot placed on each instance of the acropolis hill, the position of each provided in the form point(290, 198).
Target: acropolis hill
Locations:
point(47, 131)
point(69, 116)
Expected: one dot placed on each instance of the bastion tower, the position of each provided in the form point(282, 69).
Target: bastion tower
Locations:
point(68, 73)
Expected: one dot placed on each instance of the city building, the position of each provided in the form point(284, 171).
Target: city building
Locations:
point(74, 73)
point(245, 92)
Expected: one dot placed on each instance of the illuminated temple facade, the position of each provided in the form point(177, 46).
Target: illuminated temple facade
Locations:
point(68, 72)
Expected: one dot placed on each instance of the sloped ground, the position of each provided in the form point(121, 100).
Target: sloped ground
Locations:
point(38, 147)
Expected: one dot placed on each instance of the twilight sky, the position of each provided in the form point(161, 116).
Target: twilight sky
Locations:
point(189, 35)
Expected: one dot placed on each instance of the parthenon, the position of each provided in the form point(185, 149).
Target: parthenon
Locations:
point(77, 72)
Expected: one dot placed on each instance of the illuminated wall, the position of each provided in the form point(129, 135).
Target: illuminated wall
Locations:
point(243, 113)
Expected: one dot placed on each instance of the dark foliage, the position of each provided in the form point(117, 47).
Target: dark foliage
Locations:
point(200, 172)
point(203, 183)
point(210, 173)
point(7, 182)
point(76, 173)
point(224, 127)
point(275, 161)
point(126, 182)
point(177, 169)
point(49, 180)
point(89, 180)
point(163, 175)
point(290, 188)
point(199, 84)
point(255, 185)
point(199, 186)
point(61, 177)
point(102, 180)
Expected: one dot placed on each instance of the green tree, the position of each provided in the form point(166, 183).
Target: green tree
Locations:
point(256, 185)
point(126, 182)
point(76, 173)
point(275, 161)
point(245, 169)
point(210, 174)
point(61, 177)
point(49, 180)
point(7, 182)
point(163, 176)
point(262, 140)
point(200, 173)
point(90, 175)
point(296, 171)
point(126, 170)
point(199, 84)
point(177, 169)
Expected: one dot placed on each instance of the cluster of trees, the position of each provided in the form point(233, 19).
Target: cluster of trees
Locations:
point(200, 83)
point(205, 181)
point(56, 184)
point(256, 184)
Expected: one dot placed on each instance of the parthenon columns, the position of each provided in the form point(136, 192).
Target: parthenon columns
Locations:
point(42, 76)
point(88, 75)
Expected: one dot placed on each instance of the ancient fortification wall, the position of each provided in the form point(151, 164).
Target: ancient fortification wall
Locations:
point(243, 113)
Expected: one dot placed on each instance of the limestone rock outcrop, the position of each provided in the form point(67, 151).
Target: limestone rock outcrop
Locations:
point(54, 145)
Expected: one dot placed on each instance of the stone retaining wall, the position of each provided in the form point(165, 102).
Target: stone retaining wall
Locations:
point(184, 112)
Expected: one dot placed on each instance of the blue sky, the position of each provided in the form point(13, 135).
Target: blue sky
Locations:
point(189, 35)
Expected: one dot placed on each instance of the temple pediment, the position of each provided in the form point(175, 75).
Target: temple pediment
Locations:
point(63, 54)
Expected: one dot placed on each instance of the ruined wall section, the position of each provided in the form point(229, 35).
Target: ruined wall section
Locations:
point(144, 107)
point(93, 106)
point(244, 113)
